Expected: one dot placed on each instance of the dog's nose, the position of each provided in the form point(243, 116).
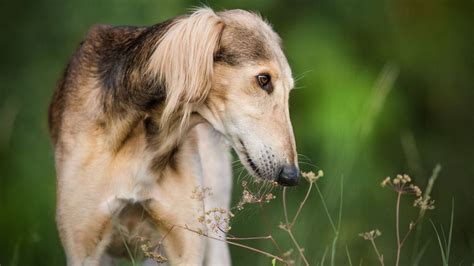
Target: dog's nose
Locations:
point(289, 175)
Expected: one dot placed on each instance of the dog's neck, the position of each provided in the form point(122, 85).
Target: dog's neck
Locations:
point(123, 55)
point(132, 96)
point(164, 142)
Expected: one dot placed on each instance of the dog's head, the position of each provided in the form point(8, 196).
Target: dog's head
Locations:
point(241, 82)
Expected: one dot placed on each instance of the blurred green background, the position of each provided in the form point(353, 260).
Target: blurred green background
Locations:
point(349, 118)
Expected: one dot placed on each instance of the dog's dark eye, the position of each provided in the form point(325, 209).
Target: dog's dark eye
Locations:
point(264, 81)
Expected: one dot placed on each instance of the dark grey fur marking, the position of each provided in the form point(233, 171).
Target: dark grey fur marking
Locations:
point(240, 45)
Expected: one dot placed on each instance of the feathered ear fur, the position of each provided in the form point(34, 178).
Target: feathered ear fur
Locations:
point(184, 59)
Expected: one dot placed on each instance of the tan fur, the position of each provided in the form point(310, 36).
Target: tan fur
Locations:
point(144, 115)
point(188, 75)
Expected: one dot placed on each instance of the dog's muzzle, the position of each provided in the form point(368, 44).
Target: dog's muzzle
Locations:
point(289, 175)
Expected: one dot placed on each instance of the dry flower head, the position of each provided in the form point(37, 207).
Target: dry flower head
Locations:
point(311, 177)
point(151, 252)
point(217, 219)
point(249, 197)
point(424, 203)
point(200, 193)
point(402, 184)
point(370, 235)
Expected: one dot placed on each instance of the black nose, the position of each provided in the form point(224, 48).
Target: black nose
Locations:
point(289, 175)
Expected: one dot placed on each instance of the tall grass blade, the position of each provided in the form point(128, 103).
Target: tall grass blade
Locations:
point(336, 237)
point(16, 253)
point(348, 256)
point(323, 258)
point(443, 256)
point(323, 201)
point(421, 253)
point(427, 193)
point(448, 248)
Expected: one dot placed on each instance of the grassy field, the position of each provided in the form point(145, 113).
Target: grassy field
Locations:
point(383, 88)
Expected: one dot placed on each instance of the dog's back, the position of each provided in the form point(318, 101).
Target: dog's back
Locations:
point(94, 75)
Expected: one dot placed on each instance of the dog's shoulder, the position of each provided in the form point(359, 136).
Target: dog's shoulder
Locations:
point(103, 35)
point(104, 42)
point(107, 69)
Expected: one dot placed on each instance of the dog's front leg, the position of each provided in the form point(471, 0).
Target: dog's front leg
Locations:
point(217, 176)
point(178, 226)
point(85, 226)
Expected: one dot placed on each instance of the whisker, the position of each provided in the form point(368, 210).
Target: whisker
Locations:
point(240, 175)
point(300, 154)
point(304, 159)
point(299, 88)
point(302, 75)
point(310, 164)
point(269, 187)
point(236, 162)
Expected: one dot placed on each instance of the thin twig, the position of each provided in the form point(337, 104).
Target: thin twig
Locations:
point(410, 229)
point(301, 205)
point(397, 225)
point(326, 208)
point(339, 219)
point(287, 226)
point(265, 220)
point(427, 193)
point(166, 235)
point(348, 256)
point(300, 250)
point(235, 244)
point(285, 212)
point(249, 238)
point(333, 248)
point(379, 256)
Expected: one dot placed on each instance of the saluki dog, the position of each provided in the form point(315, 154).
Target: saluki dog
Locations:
point(144, 115)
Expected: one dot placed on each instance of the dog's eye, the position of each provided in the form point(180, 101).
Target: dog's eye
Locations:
point(264, 81)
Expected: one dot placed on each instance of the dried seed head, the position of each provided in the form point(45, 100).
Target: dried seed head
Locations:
point(311, 177)
point(147, 249)
point(216, 219)
point(424, 203)
point(416, 190)
point(199, 193)
point(269, 197)
point(411, 225)
point(385, 181)
point(371, 235)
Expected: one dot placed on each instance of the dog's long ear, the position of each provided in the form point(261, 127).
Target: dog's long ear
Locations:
point(184, 59)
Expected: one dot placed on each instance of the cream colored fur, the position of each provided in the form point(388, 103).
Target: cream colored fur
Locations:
point(184, 59)
point(210, 106)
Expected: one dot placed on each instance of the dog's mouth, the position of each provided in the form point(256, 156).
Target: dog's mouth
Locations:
point(248, 159)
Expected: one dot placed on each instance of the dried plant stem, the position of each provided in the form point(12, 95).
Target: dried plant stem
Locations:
point(400, 241)
point(270, 236)
point(288, 226)
point(427, 193)
point(333, 248)
point(397, 225)
point(326, 209)
point(235, 244)
point(348, 256)
point(129, 252)
point(301, 205)
point(339, 219)
point(249, 238)
point(285, 212)
point(166, 235)
point(410, 229)
point(300, 250)
point(379, 256)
